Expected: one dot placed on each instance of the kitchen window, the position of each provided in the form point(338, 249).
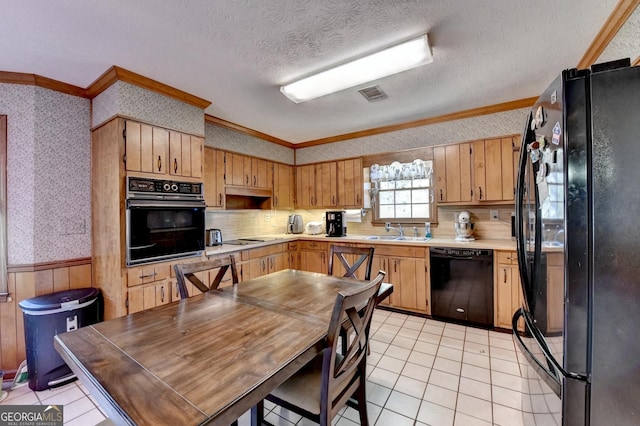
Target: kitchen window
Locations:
point(402, 192)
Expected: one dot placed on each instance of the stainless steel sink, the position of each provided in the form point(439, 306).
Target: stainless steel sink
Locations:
point(384, 237)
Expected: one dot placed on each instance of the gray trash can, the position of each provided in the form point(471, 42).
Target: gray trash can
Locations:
point(48, 315)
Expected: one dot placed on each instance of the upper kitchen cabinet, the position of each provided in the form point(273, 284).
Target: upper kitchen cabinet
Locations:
point(350, 183)
point(282, 186)
point(329, 185)
point(306, 187)
point(185, 155)
point(261, 173)
point(249, 172)
point(493, 169)
point(476, 172)
point(146, 148)
point(213, 172)
point(238, 172)
point(452, 164)
point(326, 184)
point(151, 149)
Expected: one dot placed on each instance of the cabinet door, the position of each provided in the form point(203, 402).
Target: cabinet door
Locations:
point(411, 275)
point(305, 186)
point(555, 291)
point(178, 150)
point(440, 173)
point(146, 148)
point(163, 293)
point(196, 147)
point(383, 263)
point(350, 183)
point(479, 183)
point(487, 170)
point(259, 173)
point(452, 184)
point(278, 262)
point(238, 170)
point(503, 296)
point(326, 185)
point(493, 169)
point(313, 261)
point(508, 167)
point(213, 177)
point(282, 186)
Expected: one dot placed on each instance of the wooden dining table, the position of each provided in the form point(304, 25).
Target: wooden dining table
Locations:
point(207, 359)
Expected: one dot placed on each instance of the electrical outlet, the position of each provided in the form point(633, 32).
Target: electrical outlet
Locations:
point(494, 214)
point(267, 217)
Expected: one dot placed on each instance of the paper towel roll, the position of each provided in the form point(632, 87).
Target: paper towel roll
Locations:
point(353, 215)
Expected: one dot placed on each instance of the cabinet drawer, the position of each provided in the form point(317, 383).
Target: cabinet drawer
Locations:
point(507, 257)
point(147, 274)
point(400, 251)
point(312, 245)
point(267, 251)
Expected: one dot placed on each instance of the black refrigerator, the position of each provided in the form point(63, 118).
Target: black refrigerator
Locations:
point(578, 239)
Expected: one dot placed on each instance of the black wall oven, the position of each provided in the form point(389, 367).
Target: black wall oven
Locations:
point(164, 220)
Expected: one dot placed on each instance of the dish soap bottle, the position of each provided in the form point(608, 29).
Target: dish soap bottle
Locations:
point(427, 230)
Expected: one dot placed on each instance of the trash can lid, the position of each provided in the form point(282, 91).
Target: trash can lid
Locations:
point(58, 299)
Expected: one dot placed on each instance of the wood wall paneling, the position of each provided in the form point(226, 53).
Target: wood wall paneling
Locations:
point(27, 284)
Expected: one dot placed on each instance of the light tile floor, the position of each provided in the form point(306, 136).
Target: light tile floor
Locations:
point(421, 372)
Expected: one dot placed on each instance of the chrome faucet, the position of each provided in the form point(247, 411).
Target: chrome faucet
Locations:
point(399, 229)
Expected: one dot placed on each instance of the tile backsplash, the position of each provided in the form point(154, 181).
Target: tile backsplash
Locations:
point(246, 223)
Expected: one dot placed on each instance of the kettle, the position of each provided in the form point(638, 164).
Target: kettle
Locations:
point(213, 237)
point(294, 224)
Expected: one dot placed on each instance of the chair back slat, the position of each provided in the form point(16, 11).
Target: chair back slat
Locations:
point(352, 314)
point(187, 272)
point(365, 254)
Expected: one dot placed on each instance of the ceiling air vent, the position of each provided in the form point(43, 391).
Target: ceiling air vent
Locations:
point(373, 93)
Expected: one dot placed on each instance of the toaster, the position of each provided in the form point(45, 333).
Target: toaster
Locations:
point(294, 224)
point(213, 237)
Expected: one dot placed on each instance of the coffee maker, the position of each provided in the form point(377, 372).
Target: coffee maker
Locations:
point(336, 226)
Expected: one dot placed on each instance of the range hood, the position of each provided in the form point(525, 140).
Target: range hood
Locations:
point(240, 197)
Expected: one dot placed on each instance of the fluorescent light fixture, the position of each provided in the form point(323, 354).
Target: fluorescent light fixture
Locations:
point(402, 57)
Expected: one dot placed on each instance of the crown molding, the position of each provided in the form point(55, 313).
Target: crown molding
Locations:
point(115, 73)
point(40, 81)
point(616, 20)
point(233, 126)
point(469, 113)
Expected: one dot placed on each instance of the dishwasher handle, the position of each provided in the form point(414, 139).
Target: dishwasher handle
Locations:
point(461, 253)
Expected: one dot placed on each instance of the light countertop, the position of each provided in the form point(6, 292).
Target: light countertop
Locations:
point(495, 244)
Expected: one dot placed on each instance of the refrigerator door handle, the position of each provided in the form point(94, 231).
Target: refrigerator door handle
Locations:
point(545, 349)
point(546, 373)
point(520, 188)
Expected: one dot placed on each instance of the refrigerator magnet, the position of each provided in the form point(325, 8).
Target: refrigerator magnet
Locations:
point(557, 131)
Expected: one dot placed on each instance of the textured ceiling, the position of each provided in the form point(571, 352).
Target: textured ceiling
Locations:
point(237, 53)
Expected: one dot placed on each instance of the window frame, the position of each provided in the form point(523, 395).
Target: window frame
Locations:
point(376, 220)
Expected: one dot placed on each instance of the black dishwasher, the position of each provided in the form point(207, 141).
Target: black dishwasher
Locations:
point(462, 285)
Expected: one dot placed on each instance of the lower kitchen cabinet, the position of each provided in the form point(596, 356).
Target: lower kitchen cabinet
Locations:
point(507, 289)
point(266, 260)
point(149, 296)
point(407, 270)
point(313, 256)
point(555, 291)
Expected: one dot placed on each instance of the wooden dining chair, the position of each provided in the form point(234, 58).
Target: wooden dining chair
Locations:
point(323, 386)
point(187, 271)
point(343, 254)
